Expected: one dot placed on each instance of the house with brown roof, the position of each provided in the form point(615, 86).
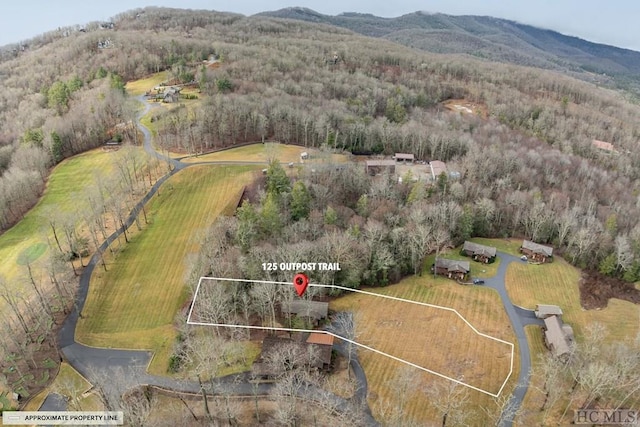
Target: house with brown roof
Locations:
point(558, 337)
point(451, 268)
point(376, 167)
point(536, 252)
point(404, 157)
point(322, 346)
point(478, 252)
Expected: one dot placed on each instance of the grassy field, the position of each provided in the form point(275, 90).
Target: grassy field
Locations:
point(28, 237)
point(73, 386)
point(139, 87)
point(424, 336)
point(146, 121)
point(133, 304)
point(557, 283)
point(261, 153)
point(510, 246)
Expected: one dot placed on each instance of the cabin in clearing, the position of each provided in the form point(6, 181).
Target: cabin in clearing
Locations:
point(478, 252)
point(536, 252)
point(451, 268)
point(404, 157)
point(376, 167)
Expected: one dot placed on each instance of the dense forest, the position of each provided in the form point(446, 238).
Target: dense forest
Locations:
point(492, 39)
point(528, 169)
point(527, 163)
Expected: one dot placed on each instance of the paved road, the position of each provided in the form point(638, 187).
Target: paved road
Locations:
point(519, 318)
point(54, 402)
point(98, 364)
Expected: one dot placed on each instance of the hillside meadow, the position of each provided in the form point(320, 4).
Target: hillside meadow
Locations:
point(133, 304)
point(433, 339)
point(63, 193)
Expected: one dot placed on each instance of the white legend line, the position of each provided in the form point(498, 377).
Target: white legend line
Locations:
point(406, 362)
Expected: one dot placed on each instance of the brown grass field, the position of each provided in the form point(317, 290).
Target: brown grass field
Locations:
point(462, 106)
point(557, 283)
point(434, 339)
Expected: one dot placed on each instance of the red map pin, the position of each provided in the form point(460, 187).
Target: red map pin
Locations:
point(300, 282)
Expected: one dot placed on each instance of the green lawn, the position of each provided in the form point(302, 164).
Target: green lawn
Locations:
point(73, 386)
point(261, 153)
point(139, 87)
point(27, 239)
point(510, 246)
point(133, 304)
point(146, 121)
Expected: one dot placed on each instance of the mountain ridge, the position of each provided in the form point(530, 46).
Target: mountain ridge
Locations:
point(495, 39)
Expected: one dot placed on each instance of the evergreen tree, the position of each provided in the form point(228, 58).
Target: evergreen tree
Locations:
point(57, 149)
point(300, 201)
point(247, 225)
point(608, 265)
point(330, 216)
point(270, 221)
point(277, 179)
point(362, 207)
point(58, 96)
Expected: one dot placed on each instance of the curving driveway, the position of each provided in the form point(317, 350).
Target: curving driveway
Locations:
point(95, 363)
point(519, 318)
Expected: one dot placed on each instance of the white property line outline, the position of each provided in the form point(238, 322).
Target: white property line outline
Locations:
point(406, 362)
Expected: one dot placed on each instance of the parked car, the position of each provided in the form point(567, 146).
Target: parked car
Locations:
point(478, 281)
point(523, 257)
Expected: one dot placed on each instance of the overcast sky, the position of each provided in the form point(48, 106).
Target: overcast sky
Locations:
point(612, 22)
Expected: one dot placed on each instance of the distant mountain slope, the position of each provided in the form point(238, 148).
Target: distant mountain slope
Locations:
point(486, 37)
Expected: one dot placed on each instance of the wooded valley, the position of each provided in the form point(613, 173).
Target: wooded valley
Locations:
point(529, 168)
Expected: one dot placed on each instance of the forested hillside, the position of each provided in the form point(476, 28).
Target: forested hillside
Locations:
point(528, 169)
point(490, 38)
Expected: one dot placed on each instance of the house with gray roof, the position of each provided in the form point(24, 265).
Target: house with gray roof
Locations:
point(536, 252)
point(543, 311)
point(558, 336)
point(478, 252)
point(312, 310)
point(452, 268)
